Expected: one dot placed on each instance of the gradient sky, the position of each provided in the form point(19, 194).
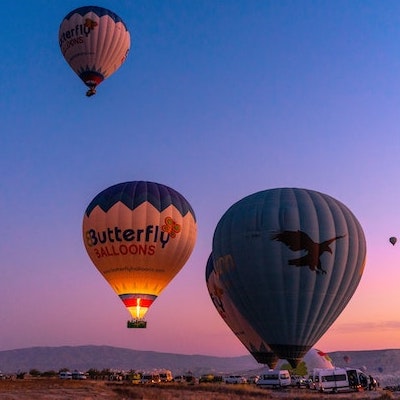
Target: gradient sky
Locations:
point(218, 100)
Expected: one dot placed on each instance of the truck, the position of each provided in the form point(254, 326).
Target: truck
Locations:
point(340, 380)
point(274, 379)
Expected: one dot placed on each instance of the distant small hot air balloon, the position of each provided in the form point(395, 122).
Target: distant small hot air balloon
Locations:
point(139, 235)
point(95, 43)
point(346, 359)
point(393, 240)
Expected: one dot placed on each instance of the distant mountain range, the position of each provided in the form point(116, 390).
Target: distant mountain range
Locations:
point(101, 357)
point(384, 364)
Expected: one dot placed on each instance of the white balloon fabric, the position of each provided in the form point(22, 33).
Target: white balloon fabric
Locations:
point(317, 359)
point(95, 43)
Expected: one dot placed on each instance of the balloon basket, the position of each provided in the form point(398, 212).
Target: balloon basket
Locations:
point(136, 324)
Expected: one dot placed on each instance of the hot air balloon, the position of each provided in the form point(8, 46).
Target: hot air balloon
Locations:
point(346, 359)
point(393, 240)
point(290, 260)
point(139, 235)
point(239, 326)
point(317, 359)
point(95, 43)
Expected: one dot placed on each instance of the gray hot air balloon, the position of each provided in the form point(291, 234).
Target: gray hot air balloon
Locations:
point(290, 260)
point(236, 322)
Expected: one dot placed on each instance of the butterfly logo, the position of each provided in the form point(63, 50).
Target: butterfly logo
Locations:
point(89, 23)
point(171, 227)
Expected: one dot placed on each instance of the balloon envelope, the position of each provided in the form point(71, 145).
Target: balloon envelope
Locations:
point(139, 235)
point(315, 358)
point(95, 43)
point(393, 240)
point(290, 260)
point(236, 322)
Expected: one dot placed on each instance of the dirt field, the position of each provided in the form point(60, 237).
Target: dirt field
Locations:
point(56, 389)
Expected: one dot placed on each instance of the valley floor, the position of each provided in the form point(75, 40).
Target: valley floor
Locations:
point(56, 389)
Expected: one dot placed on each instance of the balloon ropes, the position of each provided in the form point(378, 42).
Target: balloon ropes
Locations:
point(95, 43)
point(290, 260)
point(139, 235)
point(235, 321)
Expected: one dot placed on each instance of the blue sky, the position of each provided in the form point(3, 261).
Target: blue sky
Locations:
point(217, 99)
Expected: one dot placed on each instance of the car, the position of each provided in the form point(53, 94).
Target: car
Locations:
point(235, 379)
point(299, 381)
point(206, 378)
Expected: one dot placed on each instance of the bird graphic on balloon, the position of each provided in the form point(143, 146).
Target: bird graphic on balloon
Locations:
point(298, 240)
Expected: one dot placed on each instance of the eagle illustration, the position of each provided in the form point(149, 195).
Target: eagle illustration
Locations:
point(298, 240)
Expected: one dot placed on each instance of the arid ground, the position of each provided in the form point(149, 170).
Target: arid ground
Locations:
point(56, 389)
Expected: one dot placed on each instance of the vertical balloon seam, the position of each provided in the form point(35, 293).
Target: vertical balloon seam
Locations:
point(92, 48)
point(328, 281)
point(314, 279)
point(325, 205)
point(118, 54)
point(335, 304)
point(105, 38)
point(306, 206)
point(291, 274)
point(354, 257)
point(283, 194)
point(350, 263)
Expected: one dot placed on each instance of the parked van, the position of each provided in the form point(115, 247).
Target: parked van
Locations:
point(313, 379)
point(274, 379)
point(150, 378)
point(65, 375)
point(166, 375)
point(78, 375)
point(341, 380)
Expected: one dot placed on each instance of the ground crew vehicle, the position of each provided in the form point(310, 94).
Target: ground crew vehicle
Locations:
point(274, 378)
point(341, 380)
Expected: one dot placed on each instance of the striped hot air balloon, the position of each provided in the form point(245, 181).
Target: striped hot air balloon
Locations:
point(95, 43)
point(290, 259)
point(139, 235)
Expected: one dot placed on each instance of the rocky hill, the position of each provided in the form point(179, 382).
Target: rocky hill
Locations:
point(101, 357)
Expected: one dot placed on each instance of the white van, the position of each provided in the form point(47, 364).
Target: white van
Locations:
point(78, 375)
point(65, 375)
point(274, 378)
point(341, 380)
